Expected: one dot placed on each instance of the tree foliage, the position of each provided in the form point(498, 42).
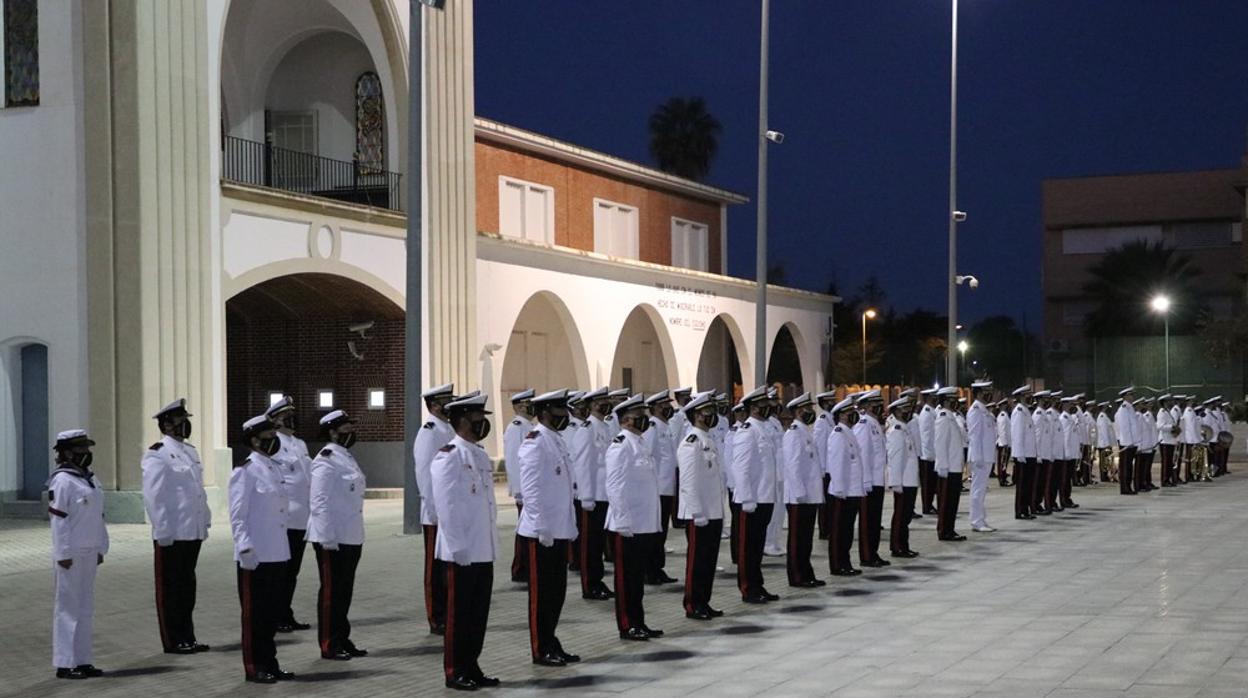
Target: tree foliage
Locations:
point(684, 137)
point(1124, 281)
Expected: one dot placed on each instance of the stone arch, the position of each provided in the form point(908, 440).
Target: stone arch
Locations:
point(724, 354)
point(290, 267)
point(644, 358)
point(544, 351)
point(785, 364)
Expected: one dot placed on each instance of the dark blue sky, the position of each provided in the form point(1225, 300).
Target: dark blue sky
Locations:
point(861, 90)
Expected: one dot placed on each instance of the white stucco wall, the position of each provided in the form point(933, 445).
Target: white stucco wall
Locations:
point(41, 231)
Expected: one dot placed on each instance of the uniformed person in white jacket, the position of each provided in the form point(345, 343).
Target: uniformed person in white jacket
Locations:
point(296, 465)
point(463, 487)
point(521, 424)
point(1167, 438)
point(1148, 444)
point(435, 433)
point(679, 426)
point(981, 450)
point(177, 507)
point(662, 444)
point(903, 475)
point(1087, 427)
point(1003, 408)
point(79, 544)
point(950, 440)
point(1046, 445)
point(1125, 428)
point(1105, 440)
point(870, 435)
point(914, 429)
point(754, 489)
point(633, 516)
point(1068, 421)
point(775, 428)
point(588, 437)
point(803, 473)
point(848, 482)
point(547, 524)
point(1023, 451)
point(737, 416)
point(258, 522)
point(824, 424)
point(927, 451)
point(701, 503)
point(336, 531)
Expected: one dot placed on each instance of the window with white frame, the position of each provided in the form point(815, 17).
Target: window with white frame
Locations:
point(325, 399)
point(376, 398)
point(616, 229)
point(526, 210)
point(690, 245)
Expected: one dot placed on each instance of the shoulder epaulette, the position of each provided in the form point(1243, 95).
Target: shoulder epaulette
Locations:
point(691, 438)
point(429, 425)
point(744, 425)
point(447, 448)
point(326, 452)
point(838, 427)
point(246, 462)
point(533, 434)
point(792, 426)
point(156, 446)
point(619, 439)
point(517, 421)
point(898, 427)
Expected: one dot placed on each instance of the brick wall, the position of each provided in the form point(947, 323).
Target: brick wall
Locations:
point(302, 357)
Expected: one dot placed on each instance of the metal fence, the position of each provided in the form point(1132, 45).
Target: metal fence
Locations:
point(250, 162)
point(1141, 361)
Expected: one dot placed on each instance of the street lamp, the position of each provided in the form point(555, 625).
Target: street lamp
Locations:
point(1161, 304)
point(765, 136)
point(962, 347)
point(955, 216)
point(869, 314)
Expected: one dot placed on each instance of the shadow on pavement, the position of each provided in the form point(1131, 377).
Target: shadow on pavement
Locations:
point(142, 671)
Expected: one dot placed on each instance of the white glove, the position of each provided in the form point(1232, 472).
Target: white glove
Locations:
point(462, 558)
point(329, 546)
point(899, 490)
point(700, 522)
point(587, 504)
point(248, 560)
point(545, 540)
point(164, 542)
point(626, 532)
point(940, 474)
point(749, 507)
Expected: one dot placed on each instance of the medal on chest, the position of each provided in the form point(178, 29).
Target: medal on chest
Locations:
point(558, 470)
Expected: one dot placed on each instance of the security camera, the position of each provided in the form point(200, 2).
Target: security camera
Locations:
point(774, 136)
point(959, 216)
point(974, 282)
point(361, 327)
point(968, 279)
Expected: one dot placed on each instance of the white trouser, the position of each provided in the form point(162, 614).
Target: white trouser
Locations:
point(979, 491)
point(73, 613)
point(775, 527)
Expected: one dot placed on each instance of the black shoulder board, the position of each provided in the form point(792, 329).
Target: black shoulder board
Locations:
point(838, 428)
point(793, 426)
point(246, 462)
point(619, 439)
point(428, 425)
point(156, 446)
point(744, 425)
point(690, 439)
point(533, 434)
point(326, 452)
point(897, 427)
point(517, 421)
point(447, 448)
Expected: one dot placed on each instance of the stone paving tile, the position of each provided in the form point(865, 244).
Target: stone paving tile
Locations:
point(1146, 596)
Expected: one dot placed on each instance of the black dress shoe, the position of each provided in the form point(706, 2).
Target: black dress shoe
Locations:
point(1046, 512)
point(183, 648)
point(439, 629)
point(911, 554)
point(568, 657)
point(715, 612)
point(284, 675)
point(519, 579)
point(1070, 505)
point(549, 659)
point(356, 651)
point(929, 512)
point(200, 647)
point(699, 614)
point(955, 537)
point(754, 598)
point(906, 554)
point(336, 655)
point(90, 670)
point(770, 596)
point(847, 572)
point(597, 595)
point(660, 578)
point(461, 683)
point(296, 625)
point(262, 677)
point(635, 634)
point(485, 681)
point(285, 628)
point(877, 562)
point(651, 631)
point(65, 673)
point(916, 515)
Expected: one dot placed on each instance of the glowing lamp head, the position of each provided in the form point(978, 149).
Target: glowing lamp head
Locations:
point(1161, 304)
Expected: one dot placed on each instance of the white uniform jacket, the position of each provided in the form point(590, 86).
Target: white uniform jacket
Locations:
point(76, 511)
point(1003, 430)
point(1105, 431)
point(579, 436)
point(463, 485)
point(678, 426)
point(512, 436)
point(1044, 434)
point(173, 491)
point(658, 438)
point(848, 477)
point(1165, 428)
point(258, 509)
point(927, 433)
point(546, 487)
point(632, 485)
point(1125, 426)
point(337, 498)
point(1189, 427)
point(871, 445)
point(1068, 423)
point(1148, 432)
point(296, 466)
point(602, 438)
point(823, 424)
point(803, 473)
point(950, 440)
point(981, 429)
point(701, 479)
point(433, 435)
point(725, 457)
point(903, 459)
point(1022, 434)
point(753, 464)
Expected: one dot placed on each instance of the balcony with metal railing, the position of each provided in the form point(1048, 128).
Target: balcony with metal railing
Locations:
point(261, 164)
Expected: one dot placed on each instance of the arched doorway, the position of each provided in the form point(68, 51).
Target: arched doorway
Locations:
point(644, 361)
point(330, 343)
point(719, 364)
point(785, 365)
point(544, 352)
point(25, 435)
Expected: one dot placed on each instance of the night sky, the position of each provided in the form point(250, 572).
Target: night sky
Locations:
point(1047, 88)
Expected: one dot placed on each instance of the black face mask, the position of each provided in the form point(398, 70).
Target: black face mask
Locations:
point(666, 412)
point(182, 430)
point(346, 440)
point(560, 422)
point(481, 429)
point(82, 461)
point(270, 446)
point(808, 418)
point(722, 410)
point(712, 420)
point(641, 423)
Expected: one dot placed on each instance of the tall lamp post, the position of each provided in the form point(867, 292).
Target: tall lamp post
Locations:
point(955, 216)
point(765, 134)
point(1161, 304)
point(962, 347)
point(869, 314)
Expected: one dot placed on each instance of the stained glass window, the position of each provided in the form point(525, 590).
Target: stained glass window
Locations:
point(21, 53)
point(370, 125)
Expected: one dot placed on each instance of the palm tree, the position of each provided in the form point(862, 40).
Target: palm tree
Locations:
point(684, 137)
point(1126, 278)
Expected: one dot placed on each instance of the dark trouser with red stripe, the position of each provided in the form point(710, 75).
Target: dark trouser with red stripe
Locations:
point(1068, 475)
point(844, 511)
point(337, 571)
point(175, 591)
point(870, 516)
point(574, 550)
point(520, 556)
point(1143, 470)
point(1085, 466)
point(548, 587)
point(1053, 482)
point(658, 552)
point(677, 522)
point(751, 536)
point(435, 581)
point(950, 493)
point(825, 510)
point(801, 539)
point(1126, 470)
point(928, 484)
point(297, 544)
point(734, 529)
point(467, 612)
point(1024, 474)
point(259, 593)
point(590, 524)
point(632, 554)
point(701, 555)
point(1168, 472)
point(1040, 484)
point(1003, 461)
point(903, 509)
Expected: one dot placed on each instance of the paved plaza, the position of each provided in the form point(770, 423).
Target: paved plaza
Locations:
point(1137, 596)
